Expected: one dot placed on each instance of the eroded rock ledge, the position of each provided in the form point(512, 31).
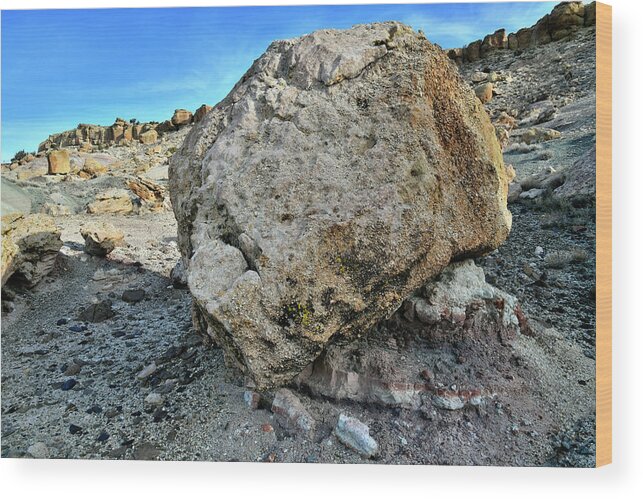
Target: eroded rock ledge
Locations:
point(561, 22)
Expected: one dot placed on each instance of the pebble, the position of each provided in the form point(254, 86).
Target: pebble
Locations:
point(154, 399)
point(72, 369)
point(73, 429)
point(147, 371)
point(291, 412)
point(97, 312)
point(95, 409)
point(77, 329)
point(38, 450)
point(68, 384)
point(252, 399)
point(133, 295)
point(103, 437)
point(355, 435)
point(61, 322)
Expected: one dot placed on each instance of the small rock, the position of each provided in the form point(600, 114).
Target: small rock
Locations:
point(73, 429)
point(450, 402)
point(97, 312)
point(68, 384)
point(479, 77)
point(147, 371)
point(95, 409)
point(103, 437)
point(101, 238)
point(61, 322)
point(355, 435)
point(252, 399)
point(539, 251)
point(532, 194)
point(154, 399)
point(72, 369)
point(133, 295)
point(291, 412)
point(267, 428)
point(484, 92)
point(38, 450)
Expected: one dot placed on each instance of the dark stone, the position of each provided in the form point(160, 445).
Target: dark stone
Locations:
point(61, 322)
point(103, 437)
point(73, 429)
point(97, 312)
point(68, 384)
point(133, 295)
point(77, 329)
point(95, 409)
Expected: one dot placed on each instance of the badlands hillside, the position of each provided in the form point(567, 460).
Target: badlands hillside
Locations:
point(307, 315)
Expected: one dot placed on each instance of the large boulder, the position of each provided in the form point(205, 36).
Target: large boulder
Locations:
point(148, 137)
point(30, 246)
point(181, 117)
point(201, 112)
point(151, 194)
point(58, 162)
point(101, 238)
point(343, 171)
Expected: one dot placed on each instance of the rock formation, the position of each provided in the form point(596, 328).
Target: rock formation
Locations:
point(342, 172)
point(101, 238)
point(560, 23)
point(58, 162)
point(30, 245)
point(86, 136)
point(457, 307)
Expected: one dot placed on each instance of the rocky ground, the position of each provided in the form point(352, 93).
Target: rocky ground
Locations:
point(130, 378)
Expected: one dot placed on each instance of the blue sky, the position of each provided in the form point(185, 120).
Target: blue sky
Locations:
point(64, 67)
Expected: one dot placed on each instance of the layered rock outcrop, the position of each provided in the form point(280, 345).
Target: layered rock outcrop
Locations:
point(86, 136)
point(30, 246)
point(343, 171)
point(561, 22)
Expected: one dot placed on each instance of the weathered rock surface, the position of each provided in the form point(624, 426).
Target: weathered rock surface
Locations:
point(319, 194)
point(580, 178)
point(58, 162)
point(148, 137)
point(458, 307)
point(111, 201)
point(484, 92)
point(93, 168)
point(181, 117)
point(356, 435)
point(151, 194)
point(101, 238)
point(30, 245)
point(291, 413)
point(536, 135)
point(201, 112)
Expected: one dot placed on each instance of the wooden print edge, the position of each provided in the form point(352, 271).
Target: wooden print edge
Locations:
point(603, 234)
